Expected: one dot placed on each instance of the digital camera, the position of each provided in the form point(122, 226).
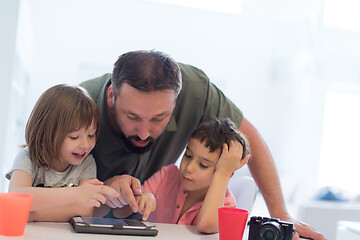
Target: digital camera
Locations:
point(263, 228)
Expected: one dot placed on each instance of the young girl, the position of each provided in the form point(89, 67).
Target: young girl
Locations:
point(55, 166)
point(192, 194)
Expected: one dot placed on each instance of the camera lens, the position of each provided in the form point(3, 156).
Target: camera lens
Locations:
point(270, 231)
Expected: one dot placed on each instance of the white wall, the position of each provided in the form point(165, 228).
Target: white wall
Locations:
point(8, 26)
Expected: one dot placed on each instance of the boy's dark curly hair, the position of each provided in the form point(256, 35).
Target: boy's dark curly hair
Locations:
point(216, 132)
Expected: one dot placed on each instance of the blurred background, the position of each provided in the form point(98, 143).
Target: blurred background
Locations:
point(291, 66)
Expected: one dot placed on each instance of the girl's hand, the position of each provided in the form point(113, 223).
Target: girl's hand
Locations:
point(146, 203)
point(93, 193)
point(230, 158)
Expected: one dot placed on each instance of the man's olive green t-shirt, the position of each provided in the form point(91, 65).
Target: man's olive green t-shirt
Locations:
point(198, 101)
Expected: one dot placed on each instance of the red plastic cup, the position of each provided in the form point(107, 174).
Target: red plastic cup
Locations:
point(14, 213)
point(232, 222)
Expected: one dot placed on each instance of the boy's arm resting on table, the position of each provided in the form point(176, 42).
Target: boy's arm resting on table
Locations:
point(263, 170)
point(208, 218)
point(229, 161)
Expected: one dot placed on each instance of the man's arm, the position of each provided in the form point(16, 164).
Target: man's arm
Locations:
point(263, 169)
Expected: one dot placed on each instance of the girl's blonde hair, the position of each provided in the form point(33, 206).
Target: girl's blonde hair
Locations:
point(60, 110)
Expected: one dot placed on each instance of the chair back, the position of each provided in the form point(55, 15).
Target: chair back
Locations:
point(244, 190)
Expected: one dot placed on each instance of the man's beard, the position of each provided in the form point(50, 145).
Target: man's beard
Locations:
point(127, 140)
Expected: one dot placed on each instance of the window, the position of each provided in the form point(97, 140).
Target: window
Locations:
point(340, 155)
point(342, 14)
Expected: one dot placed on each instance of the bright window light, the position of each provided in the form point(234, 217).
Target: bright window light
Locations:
point(342, 14)
point(224, 6)
point(340, 158)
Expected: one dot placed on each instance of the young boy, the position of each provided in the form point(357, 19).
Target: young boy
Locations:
point(192, 194)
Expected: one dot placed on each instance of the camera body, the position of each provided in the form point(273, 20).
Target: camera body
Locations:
point(263, 228)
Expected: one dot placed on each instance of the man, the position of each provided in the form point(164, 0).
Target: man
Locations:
point(150, 105)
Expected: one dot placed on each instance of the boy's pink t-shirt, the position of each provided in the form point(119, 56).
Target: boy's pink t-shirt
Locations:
point(170, 198)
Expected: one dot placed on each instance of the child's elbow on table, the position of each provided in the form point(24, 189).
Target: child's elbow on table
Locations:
point(207, 227)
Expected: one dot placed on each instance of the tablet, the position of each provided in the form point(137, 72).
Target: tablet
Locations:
point(113, 226)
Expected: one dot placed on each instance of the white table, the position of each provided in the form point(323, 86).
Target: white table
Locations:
point(324, 215)
point(348, 230)
point(64, 231)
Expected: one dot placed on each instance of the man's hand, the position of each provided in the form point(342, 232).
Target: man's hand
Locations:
point(304, 230)
point(128, 187)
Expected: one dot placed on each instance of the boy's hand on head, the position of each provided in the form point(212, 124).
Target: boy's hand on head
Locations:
point(230, 158)
point(128, 187)
point(147, 204)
